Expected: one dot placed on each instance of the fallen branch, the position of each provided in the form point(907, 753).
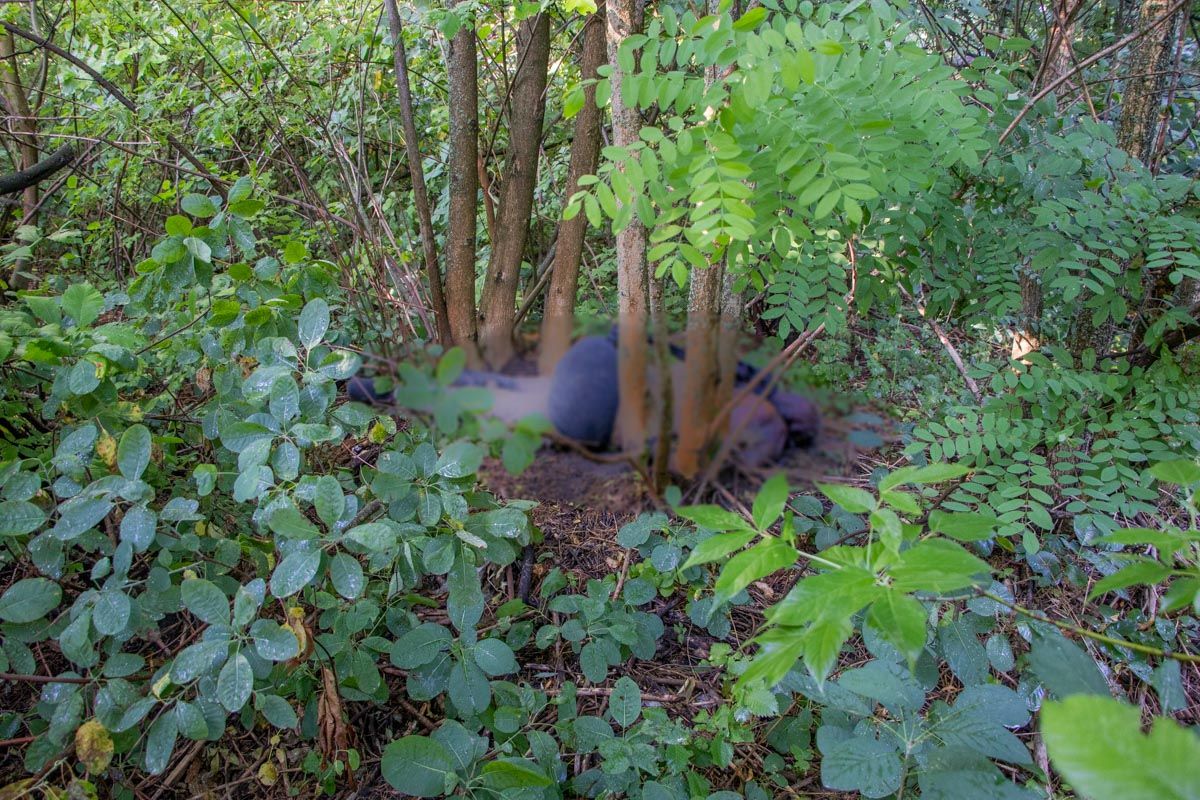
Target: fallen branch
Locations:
point(115, 92)
point(21, 180)
point(945, 340)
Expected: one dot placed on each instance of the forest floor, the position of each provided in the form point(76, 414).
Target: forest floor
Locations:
point(582, 504)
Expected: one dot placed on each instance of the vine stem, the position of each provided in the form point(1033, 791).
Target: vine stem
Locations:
point(14, 677)
point(1090, 634)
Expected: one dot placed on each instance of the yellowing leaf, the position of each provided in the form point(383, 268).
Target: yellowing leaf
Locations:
point(93, 746)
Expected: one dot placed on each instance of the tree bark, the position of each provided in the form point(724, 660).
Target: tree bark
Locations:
point(23, 128)
point(1057, 61)
point(525, 115)
point(1147, 77)
point(412, 147)
point(665, 398)
point(624, 19)
point(19, 181)
point(728, 344)
point(707, 355)
point(463, 82)
point(558, 319)
point(702, 368)
point(1149, 74)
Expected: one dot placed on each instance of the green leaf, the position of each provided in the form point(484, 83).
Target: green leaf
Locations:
point(823, 643)
point(133, 452)
point(416, 765)
point(235, 683)
point(718, 546)
point(772, 497)
point(205, 600)
point(749, 565)
point(195, 660)
point(276, 710)
point(593, 663)
point(714, 518)
point(459, 460)
point(468, 689)
point(934, 473)
point(160, 743)
point(513, 773)
point(176, 225)
point(294, 252)
point(450, 366)
point(901, 621)
point(29, 600)
point(199, 205)
point(1139, 573)
point(347, 576)
point(375, 536)
point(18, 517)
point(329, 500)
point(495, 657)
point(289, 522)
point(1181, 472)
point(1097, 744)
point(314, 322)
point(420, 646)
point(273, 641)
point(625, 702)
point(861, 764)
point(246, 209)
point(964, 525)
point(750, 19)
point(295, 572)
point(852, 499)
point(111, 613)
point(78, 515)
point(82, 303)
point(937, 565)
point(285, 400)
point(84, 377)
point(1063, 667)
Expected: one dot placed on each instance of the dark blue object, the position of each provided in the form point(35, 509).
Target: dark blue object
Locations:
point(583, 392)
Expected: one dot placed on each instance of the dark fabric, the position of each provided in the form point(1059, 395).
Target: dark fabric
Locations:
point(583, 391)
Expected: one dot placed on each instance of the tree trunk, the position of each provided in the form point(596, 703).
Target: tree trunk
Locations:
point(1147, 73)
point(23, 127)
point(417, 174)
point(1057, 61)
point(707, 355)
point(728, 345)
point(702, 368)
point(624, 19)
point(1151, 69)
point(525, 112)
point(559, 316)
point(463, 83)
point(664, 401)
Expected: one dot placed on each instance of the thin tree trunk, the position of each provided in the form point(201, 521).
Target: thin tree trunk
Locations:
point(1148, 72)
point(665, 401)
point(23, 128)
point(728, 344)
point(702, 369)
point(624, 19)
point(702, 375)
point(1152, 68)
point(558, 319)
point(417, 174)
point(525, 115)
point(463, 82)
point(1058, 60)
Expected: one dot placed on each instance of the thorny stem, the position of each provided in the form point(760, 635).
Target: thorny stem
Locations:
point(1090, 634)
